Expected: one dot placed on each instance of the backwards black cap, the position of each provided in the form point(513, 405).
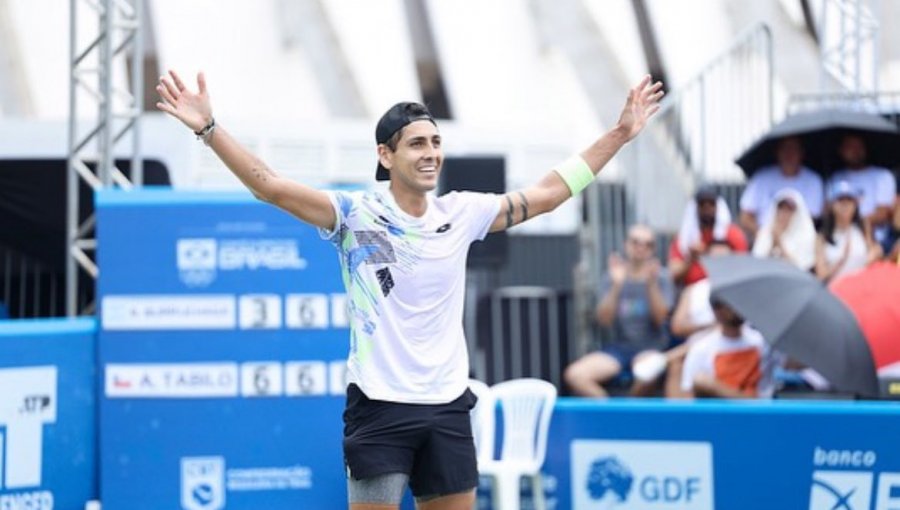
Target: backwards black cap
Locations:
point(394, 120)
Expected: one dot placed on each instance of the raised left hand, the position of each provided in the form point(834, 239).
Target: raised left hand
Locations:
point(642, 103)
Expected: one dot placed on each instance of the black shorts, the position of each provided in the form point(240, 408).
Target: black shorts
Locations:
point(432, 443)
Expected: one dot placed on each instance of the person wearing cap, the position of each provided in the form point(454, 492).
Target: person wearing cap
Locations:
point(845, 243)
point(876, 185)
point(789, 172)
point(403, 260)
point(706, 218)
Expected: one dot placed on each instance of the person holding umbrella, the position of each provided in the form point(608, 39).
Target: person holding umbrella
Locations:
point(798, 317)
point(788, 172)
point(876, 185)
point(731, 361)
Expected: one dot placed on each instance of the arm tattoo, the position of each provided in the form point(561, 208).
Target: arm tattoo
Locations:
point(509, 212)
point(524, 206)
point(262, 174)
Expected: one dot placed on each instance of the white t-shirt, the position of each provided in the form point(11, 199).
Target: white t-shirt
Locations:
point(744, 363)
point(857, 257)
point(699, 310)
point(768, 181)
point(877, 185)
point(405, 281)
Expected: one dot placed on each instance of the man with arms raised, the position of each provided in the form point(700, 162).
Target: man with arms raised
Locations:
point(403, 253)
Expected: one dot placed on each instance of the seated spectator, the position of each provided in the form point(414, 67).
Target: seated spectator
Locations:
point(844, 244)
point(789, 172)
point(790, 233)
point(693, 316)
point(730, 361)
point(636, 295)
point(706, 218)
point(877, 187)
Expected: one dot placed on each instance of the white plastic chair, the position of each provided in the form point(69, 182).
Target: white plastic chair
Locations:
point(526, 406)
point(483, 421)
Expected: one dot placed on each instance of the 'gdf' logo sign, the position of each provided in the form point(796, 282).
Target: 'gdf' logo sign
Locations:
point(641, 475)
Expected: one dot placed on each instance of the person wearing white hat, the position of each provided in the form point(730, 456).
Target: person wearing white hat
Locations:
point(844, 244)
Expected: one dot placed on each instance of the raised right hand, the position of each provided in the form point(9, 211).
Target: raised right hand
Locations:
point(193, 109)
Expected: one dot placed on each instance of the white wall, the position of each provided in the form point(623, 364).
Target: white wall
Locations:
point(238, 45)
point(374, 36)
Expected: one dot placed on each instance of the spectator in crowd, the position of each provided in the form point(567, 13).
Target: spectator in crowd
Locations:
point(876, 185)
point(789, 233)
point(789, 172)
point(693, 313)
point(636, 295)
point(731, 360)
point(845, 242)
point(706, 218)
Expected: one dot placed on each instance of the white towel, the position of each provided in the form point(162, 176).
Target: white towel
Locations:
point(689, 233)
point(798, 240)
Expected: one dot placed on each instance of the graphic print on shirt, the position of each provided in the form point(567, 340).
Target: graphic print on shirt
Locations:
point(633, 307)
point(378, 249)
point(376, 241)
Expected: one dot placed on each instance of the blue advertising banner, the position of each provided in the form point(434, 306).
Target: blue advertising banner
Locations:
point(223, 340)
point(223, 343)
point(654, 455)
point(47, 414)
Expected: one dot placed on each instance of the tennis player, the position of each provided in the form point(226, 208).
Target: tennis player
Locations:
point(403, 260)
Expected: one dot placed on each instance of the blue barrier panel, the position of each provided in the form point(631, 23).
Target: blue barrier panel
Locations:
point(651, 455)
point(47, 414)
point(223, 340)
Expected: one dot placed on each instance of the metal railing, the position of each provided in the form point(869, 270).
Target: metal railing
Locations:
point(885, 103)
point(28, 288)
point(706, 122)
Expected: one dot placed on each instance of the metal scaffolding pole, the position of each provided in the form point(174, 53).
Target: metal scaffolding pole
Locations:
point(94, 139)
point(848, 35)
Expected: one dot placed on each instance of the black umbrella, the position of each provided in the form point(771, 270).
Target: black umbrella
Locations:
point(821, 132)
point(798, 316)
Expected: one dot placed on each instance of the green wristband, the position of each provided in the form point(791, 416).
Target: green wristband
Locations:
point(575, 173)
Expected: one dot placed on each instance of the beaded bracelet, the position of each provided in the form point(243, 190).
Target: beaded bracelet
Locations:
point(206, 133)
